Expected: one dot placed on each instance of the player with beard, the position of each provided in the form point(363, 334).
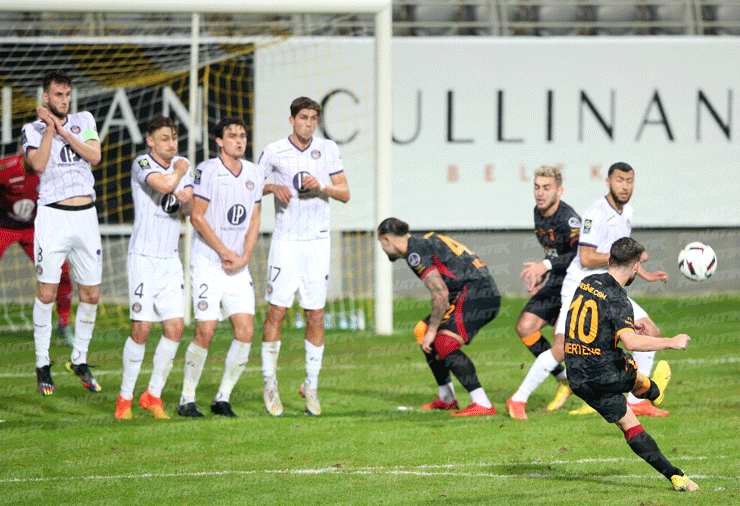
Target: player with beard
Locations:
point(62, 148)
point(600, 316)
point(557, 227)
point(605, 221)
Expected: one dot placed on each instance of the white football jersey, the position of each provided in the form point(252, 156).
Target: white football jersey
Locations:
point(601, 225)
point(156, 217)
point(306, 216)
point(67, 174)
point(231, 202)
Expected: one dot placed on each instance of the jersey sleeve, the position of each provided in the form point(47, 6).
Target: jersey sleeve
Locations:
point(622, 316)
point(593, 228)
point(202, 182)
point(264, 164)
point(337, 166)
point(30, 137)
point(90, 132)
point(419, 257)
point(571, 229)
point(141, 169)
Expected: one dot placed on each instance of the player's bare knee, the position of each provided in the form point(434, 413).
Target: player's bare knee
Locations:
point(525, 326)
point(315, 317)
point(46, 293)
point(173, 329)
point(444, 344)
point(275, 314)
point(89, 294)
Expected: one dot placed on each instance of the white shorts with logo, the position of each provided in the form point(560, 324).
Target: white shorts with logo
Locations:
point(156, 288)
point(301, 266)
point(61, 235)
point(213, 287)
point(566, 297)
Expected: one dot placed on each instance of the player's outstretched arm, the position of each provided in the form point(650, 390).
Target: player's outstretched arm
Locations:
point(652, 276)
point(636, 342)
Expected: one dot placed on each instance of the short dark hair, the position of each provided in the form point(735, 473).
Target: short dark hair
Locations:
point(161, 122)
point(301, 103)
point(625, 252)
point(226, 122)
point(620, 166)
point(55, 76)
point(393, 226)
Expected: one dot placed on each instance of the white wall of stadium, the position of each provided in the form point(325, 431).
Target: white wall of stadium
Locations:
point(473, 118)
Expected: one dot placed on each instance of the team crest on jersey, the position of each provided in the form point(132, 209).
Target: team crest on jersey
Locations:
point(143, 163)
point(315, 154)
point(136, 307)
point(269, 287)
point(629, 223)
point(574, 222)
point(75, 129)
point(202, 305)
point(414, 259)
point(39, 270)
point(250, 185)
point(587, 226)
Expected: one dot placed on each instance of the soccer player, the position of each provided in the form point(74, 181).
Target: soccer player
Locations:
point(599, 316)
point(306, 173)
point(18, 196)
point(605, 221)
point(227, 199)
point(61, 148)
point(162, 190)
point(464, 299)
point(557, 227)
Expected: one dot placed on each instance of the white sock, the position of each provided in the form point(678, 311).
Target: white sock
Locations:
point(270, 352)
point(236, 361)
point(538, 373)
point(162, 365)
point(42, 331)
point(479, 397)
point(644, 361)
point(84, 325)
point(563, 375)
point(314, 355)
point(133, 356)
point(195, 359)
point(447, 392)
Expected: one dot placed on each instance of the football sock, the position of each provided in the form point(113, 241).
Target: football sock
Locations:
point(314, 355)
point(479, 397)
point(537, 374)
point(645, 447)
point(195, 359)
point(42, 331)
point(439, 369)
point(463, 369)
point(84, 325)
point(64, 296)
point(270, 352)
point(537, 344)
point(648, 389)
point(164, 355)
point(562, 375)
point(236, 361)
point(644, 361)
point(133, 356)
point(447, 392)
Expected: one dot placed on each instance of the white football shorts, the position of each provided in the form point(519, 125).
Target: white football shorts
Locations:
point(301, 266)
point(566, 297)
point(213, 287)
point(156, 288)
point(61, 235)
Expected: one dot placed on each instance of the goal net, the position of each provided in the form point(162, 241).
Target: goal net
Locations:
point(129, 68)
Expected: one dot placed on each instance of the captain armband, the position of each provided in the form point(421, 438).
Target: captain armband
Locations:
point(90, 135)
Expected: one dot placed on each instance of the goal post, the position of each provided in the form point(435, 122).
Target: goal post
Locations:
point(204, 90)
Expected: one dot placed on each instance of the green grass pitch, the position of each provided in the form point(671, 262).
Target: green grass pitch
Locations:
point(363, 449)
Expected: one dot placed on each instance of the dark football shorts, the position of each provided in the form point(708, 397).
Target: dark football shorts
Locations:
point(608, 398)
point(476, 305)
point(546, 302)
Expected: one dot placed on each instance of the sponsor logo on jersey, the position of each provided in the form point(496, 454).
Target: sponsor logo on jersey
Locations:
point(250, 185)
point(136, 307)
point(315, 154)
point(298, 181)
point(75, 129)
point(587, 226)
point(574, 222)
point(169, 203)
point(237, 214)
point(68, 155)
point(414, 259)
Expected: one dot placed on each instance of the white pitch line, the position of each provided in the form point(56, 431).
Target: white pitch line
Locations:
point(421, 470)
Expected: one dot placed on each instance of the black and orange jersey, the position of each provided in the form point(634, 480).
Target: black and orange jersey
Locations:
point(599, 312)
point(558, 234)
point(455, 262)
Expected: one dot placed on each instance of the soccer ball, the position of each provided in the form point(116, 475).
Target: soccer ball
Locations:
point(697, 261)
